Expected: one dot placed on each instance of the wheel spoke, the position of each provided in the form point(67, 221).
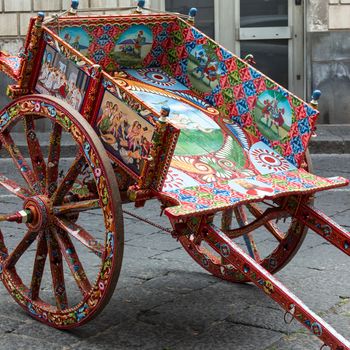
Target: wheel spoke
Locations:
point(77, 207)
point(53, 159)
point(39, 265)
point(3, 249)
point(14, 187)
point(270, 226)
point(20, 162)
point(69, 180)
point(35, 152)
point(56, 265)
point(72, 260)
point(248, 239)
point(81, 235)
point(25, 243)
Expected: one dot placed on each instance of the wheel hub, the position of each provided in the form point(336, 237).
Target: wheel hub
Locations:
point(40, 208)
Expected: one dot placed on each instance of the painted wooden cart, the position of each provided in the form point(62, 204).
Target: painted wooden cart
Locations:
point(156, 110)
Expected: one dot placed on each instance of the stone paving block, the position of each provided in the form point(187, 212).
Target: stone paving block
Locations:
point(42, 332)
point(9, 325)
point(133, 335)
point(158, 240)
point(297, 341)
point(15, 342)
point(223, 336)
point(180, 283)
point(339, 317)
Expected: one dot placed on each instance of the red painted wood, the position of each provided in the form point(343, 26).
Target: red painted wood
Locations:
point(35, 153)
point(273, 288)
point(53, 159)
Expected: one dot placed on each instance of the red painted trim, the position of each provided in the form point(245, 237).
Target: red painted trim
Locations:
point(38, 60)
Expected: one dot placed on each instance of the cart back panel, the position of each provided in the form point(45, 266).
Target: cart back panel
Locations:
point(243, 95)
point(125, 125)
point(266, 111)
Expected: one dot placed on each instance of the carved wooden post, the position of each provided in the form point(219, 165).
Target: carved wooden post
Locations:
point(314, 98)
point(141, 192)
point(314, 103)
point(29, 56)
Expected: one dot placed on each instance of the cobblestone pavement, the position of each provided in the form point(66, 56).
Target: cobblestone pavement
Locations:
point(165, 301)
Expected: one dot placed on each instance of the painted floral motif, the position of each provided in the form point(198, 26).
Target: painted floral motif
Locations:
point(220, 196)
point(267, 161)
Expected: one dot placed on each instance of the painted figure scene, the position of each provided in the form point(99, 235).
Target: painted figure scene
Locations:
point(273, 115)
point(127, 135)
point(61, 78)
point(203, 70)
point(133, 46)
point(77, 38)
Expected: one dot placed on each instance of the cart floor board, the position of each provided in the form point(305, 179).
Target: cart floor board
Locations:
point(216, 165)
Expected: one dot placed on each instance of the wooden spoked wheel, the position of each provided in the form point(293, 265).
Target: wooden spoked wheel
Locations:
point(279, 239)
point(69, 236)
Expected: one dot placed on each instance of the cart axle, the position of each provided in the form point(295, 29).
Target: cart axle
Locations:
point(22, 216)
point(36, 213)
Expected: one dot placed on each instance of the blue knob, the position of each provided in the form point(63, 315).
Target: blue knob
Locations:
point(316, 95)
point(141, 4)
point(41, 14)
point(192, 12)
point(75, 4)
point(165, 110)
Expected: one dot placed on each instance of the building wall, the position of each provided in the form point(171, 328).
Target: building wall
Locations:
point(327, 44)
point(328, 50)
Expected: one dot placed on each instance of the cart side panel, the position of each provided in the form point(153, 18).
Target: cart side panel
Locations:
point(119, 42)
point(266, 111)
point(125, 127)
point(66, 76)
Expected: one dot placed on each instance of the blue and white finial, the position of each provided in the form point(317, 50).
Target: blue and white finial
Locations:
point(164, 114)
point(75, 4)
point(141, 3)
point(192, 14)
point(316, 95)
point(314, 98)
point(140, 6)
point(40, 19)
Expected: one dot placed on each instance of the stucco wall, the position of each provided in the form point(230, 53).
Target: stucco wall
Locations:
point(328, 50)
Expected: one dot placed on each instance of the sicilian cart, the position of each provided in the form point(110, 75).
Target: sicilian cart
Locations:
point(156, 110)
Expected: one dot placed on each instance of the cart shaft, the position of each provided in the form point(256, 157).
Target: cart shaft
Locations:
point(325, 227)
point(272, 287)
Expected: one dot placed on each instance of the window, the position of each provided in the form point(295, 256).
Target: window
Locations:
point(205, 16)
